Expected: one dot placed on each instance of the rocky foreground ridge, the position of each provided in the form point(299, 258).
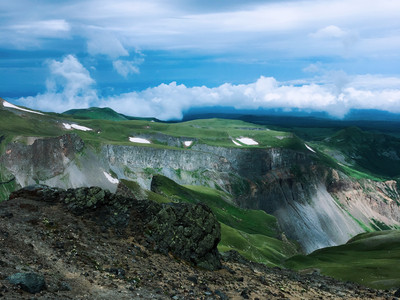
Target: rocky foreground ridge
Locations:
point(88, 243)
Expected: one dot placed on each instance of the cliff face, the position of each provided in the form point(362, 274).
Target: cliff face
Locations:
point(314, 205)
point(62, 162)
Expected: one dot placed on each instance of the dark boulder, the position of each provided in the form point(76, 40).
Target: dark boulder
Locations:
point(30, 282)
point(188, 231)
point(397, 293)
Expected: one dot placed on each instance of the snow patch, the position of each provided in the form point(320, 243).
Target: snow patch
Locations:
point(110, 178)
point(236, 143)
point(7, 104)
point(309, 148)
point(188, 143)
point(76, 126)
point(247, 141)
point(139, 140)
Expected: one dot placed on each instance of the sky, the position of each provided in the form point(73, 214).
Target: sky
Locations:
point(158, 58)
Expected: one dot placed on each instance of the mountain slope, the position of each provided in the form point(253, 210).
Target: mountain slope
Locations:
point(79, 259)
point(96, 113)
point(315, 201)
point(378, 154)
point(253, 233)
point(367, 259)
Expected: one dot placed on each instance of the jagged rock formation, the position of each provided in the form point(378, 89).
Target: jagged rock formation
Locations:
point(190, 232)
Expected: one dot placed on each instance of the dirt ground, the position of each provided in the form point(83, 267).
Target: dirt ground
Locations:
point(81, 260)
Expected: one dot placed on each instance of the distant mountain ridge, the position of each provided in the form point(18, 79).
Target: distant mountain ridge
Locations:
point(102, 113)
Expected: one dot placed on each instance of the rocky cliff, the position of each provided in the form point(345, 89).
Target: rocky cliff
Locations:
point(315, 205)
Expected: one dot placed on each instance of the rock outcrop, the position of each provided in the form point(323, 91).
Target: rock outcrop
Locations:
point(190, 232)
point(30, 282)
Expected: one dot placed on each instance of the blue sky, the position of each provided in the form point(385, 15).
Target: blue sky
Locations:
point(160, 58)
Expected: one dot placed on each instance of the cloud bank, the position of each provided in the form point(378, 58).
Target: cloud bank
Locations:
point(71, 86)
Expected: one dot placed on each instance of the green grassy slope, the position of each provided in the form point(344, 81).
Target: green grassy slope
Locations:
point(211, 132)
point(102, 113)
point(375, 153)
point(253, 233)
point(370, 259)
point(96, 113)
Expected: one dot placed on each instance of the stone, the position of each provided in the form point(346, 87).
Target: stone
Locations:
point(169, 228)
point(245, 293)
point(64, 286)
point(30, 282)
point(193, 279)
point(397, 293)
point(221, 295)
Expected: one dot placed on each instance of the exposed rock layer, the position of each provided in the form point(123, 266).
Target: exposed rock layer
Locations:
point(312, 206)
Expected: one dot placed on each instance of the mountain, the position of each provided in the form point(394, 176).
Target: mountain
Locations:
point(367, 259)
point(96, 113)
point(104, 113)
point(275, 194)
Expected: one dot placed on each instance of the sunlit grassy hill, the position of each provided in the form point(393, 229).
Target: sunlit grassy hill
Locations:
point(369, 259)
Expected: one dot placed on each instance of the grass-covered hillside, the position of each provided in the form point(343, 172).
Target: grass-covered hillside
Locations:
point(102, 113)
point(253, 233)
point(378, 154)
point(96, 113)
point(369, 259)
point(217, 132)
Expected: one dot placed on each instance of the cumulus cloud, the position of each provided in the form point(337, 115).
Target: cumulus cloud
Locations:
point(170, 101)
point(71, 86)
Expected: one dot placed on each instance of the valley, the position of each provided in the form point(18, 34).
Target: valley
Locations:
point(306, 199)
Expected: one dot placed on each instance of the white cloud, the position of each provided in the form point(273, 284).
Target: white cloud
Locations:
point(126, 67)
point(330, 31)
point(313, 68)
point(101, 41)
point(170, 101)
point(44, 28)
point(265, 27)
point(71, 86)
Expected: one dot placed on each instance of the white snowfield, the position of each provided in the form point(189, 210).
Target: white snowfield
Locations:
point(139, 140)
point(236, 143)
point(7, 104)
point(110, 178)
point(309, 148)
point(247, 141)
point(76, 126)
point(188, 143)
